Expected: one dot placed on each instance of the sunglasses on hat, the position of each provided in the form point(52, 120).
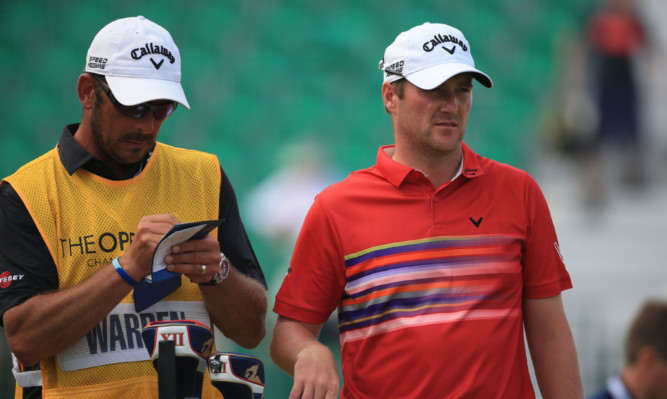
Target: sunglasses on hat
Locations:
point(139, 111)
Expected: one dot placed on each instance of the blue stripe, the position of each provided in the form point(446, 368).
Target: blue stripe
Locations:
point(414, 307)
point(444, 262)
point(408, 302)
point(399, 314)
point(403, 283)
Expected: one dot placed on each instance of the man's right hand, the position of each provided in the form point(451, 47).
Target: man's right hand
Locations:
point(136, 261)
point(295, 349)
point(315, 374)
point(32, 331)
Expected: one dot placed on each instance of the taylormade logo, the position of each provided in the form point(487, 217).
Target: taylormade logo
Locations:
point(150, 48)
point(440, 39)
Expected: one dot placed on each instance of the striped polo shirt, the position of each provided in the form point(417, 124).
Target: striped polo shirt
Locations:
point(428, 281)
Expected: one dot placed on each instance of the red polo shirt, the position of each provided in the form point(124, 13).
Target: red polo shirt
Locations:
point(428, 282)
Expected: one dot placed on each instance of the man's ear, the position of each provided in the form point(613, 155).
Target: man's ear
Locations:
point(86, 89)
point(389, 96)
point(647, 356)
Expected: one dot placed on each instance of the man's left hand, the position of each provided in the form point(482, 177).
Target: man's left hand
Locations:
point(199, 259)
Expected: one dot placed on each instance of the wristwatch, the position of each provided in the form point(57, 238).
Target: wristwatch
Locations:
point(222, 273)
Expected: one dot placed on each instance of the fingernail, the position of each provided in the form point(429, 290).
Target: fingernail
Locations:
point(168, 258)
point(175, 248)
point(170, 267)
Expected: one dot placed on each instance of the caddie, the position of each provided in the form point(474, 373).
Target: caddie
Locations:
point(79, 225)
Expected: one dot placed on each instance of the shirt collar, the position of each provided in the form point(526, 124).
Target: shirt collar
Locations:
point(471, 165)
point(74, 157)
point(396, 173)
point(617, 388)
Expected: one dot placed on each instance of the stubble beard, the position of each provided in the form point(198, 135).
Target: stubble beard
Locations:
point(106, 146)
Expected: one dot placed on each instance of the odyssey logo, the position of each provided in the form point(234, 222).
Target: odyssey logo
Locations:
point(6, 278)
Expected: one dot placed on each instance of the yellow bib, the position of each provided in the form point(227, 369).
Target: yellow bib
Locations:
point(86, 221)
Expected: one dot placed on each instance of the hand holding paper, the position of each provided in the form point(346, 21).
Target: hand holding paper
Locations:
point(179, 233)
point(161, 282)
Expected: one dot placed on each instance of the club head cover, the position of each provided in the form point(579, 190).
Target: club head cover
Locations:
point(237, 376)
point(193, 342)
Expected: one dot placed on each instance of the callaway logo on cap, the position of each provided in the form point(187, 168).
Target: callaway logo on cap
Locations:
point(140, 61)
point(429, 54)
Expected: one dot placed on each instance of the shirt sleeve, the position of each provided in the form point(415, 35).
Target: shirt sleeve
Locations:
point(26, 265)
point(234, 242)
point(544, 269)
point(315, 280)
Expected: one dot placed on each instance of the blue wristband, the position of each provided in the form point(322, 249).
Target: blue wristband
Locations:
point(123, 274)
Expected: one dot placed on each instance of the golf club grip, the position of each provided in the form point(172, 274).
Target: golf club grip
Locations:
point(166, 375)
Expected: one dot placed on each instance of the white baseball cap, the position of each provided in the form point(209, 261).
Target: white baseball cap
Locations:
point(429, 54)
point(140, 61)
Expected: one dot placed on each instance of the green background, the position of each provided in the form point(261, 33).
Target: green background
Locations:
point(260, 74)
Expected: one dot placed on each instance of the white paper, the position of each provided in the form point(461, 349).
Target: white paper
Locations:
point(164, 247)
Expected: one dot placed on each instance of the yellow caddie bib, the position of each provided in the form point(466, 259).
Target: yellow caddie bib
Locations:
point(86, 221)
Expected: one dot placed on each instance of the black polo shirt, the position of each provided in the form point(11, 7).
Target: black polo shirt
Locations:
point(26, 265)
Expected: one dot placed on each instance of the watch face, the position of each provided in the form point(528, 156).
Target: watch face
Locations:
point(224, 268)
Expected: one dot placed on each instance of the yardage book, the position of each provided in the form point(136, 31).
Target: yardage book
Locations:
point(161, 282)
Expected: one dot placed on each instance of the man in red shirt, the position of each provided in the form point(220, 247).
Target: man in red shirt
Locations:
point(436, 258)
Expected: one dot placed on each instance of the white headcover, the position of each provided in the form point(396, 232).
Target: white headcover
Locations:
point(236, 375)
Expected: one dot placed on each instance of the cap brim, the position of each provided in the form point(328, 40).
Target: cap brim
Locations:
point(434, 76)
point(133, 91)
